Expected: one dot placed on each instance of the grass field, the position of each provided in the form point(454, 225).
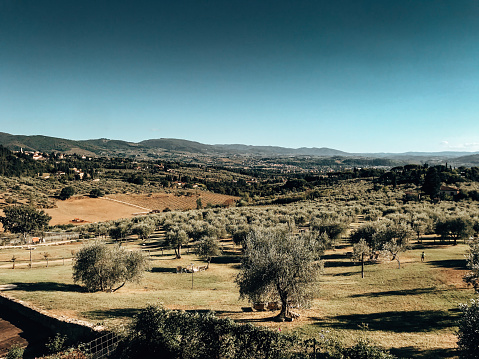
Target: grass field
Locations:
point(412, 310)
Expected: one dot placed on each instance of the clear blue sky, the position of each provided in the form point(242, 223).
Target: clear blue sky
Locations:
point(358, 76)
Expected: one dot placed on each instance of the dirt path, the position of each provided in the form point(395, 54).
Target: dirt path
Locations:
point(128, 204)
point(42, 263)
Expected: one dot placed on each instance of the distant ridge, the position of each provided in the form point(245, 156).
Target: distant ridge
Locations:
point(155, 148)
point(283, 151)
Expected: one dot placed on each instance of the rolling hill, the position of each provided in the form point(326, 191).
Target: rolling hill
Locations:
point(179, 147)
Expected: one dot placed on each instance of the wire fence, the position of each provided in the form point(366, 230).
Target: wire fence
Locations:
point(101, 347)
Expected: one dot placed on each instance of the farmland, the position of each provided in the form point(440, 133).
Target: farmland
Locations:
point(412, 311)
point(113, 207)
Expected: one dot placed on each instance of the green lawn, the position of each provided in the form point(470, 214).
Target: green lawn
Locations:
point(412, 310)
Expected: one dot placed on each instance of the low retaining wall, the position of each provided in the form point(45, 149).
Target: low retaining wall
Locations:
point(75, 330)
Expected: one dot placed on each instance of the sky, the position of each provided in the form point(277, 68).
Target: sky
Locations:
point(357, 76)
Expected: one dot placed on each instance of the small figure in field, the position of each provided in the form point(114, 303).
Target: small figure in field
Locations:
point(422, 256)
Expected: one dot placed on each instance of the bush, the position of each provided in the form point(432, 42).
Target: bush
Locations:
point(468, 342)
point(96, 192)
point(56, 344)
point(66, 192)
point(15, 352)
point(365, 350)
point(158, 332)
point(161, 333)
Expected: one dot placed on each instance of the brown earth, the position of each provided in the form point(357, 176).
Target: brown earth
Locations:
point(160, 201)
point(81, 210)
point(10, 335)
point(89, 210)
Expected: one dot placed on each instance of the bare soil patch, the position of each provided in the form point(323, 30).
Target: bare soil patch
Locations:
point(88, 210)
point(81, 210)
point(160, 201)
point(10, 335)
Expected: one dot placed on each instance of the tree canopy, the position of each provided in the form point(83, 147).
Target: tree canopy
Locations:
point(24, 219)
point(458, 227)
point(473, 264)
point(207, 248)
point(67, 192)
point(468, 342)
point(102, 268)
point(176, 238)
point(280, 265)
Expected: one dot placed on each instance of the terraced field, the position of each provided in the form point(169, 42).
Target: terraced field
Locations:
point(160, 201)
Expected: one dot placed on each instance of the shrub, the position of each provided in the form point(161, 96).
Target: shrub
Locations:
point(158, 332)
point(96, 192)
point(56, 344)
point(15, 352)
point(66, 192)
point(468, 342)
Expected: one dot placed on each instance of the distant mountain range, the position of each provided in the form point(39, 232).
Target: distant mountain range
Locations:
point(157, 147)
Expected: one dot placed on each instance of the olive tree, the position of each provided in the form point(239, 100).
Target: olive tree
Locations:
point(387, 235)
point(24, 220)
point(394, 238)
point(457, 227)
point(280, 265)
point(66, 192)
point(107, 268)
point(360, 251)
point(143, 229)
point(468, 342)
point(119, 230)
point(207, 248)
point(420, 224)
point(176, 238)
point(473, 264)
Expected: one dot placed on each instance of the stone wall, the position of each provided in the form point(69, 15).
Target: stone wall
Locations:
point(76, 330)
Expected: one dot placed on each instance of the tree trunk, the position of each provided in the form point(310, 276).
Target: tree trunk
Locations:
point(114, 290)
point(362, 265)
point(178, 252)
point(281, 317)
point(283, 314)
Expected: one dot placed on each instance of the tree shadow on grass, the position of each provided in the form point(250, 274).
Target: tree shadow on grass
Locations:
point(215, 312)
point(415, 291)
point(112, 313)
point(449, 263)
point(396, 321)
point(342, 246)
point(331, 256)
point(257, 320)
point(153, 245)
point(49, 287)
point(333, 264)
point(412, 352)
point(226, 259)
point(163, 270)
point(346, 274)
